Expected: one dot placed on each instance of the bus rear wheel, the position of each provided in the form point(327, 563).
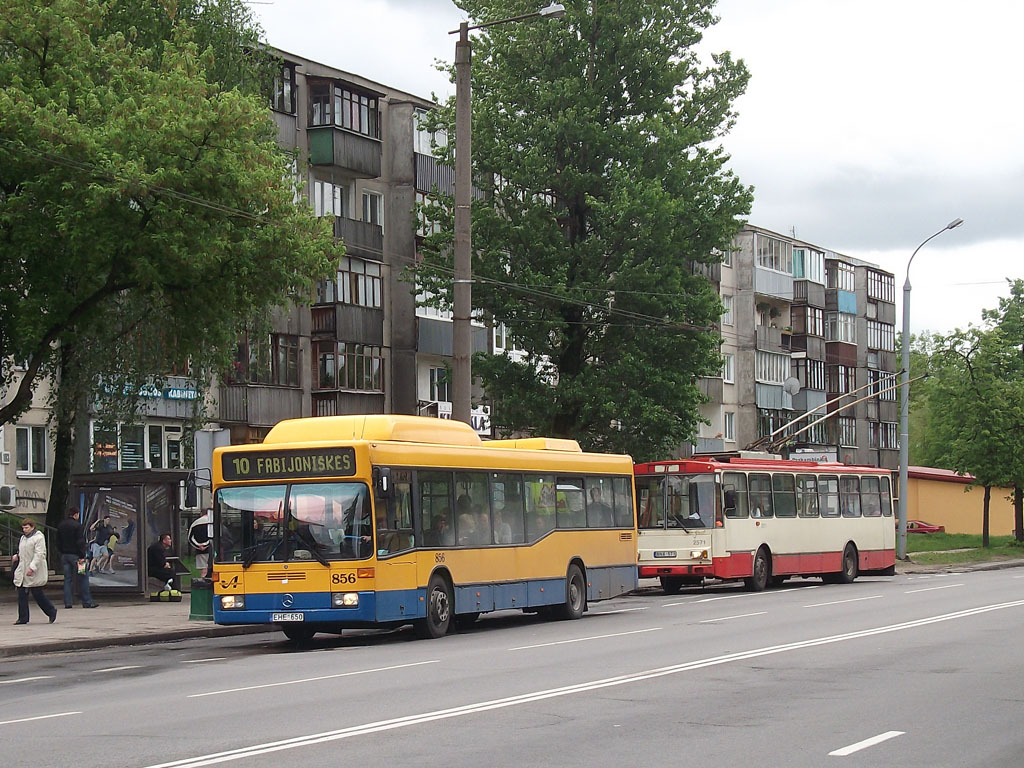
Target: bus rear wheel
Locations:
point(575, 595)
point(671, 585)
point(850, 570)
point(439, 610)
point(758, 580)
point(298, 633)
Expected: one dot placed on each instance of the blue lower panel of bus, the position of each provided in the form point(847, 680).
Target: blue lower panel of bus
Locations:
point(408, 604)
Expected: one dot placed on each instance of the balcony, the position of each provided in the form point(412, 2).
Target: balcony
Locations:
point(711, 388)
point(807, 292)
point(323, 320)
point(772, 339)
point(258, 405)
point(357, 154)
point(361, 238)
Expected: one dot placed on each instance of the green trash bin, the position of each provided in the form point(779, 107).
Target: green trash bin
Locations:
point(201, 608)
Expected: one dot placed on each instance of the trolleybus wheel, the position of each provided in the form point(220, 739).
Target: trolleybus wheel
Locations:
point(758, 580)
point(298, 633)
point(575, 595)
point(439, 609)
point(849, 572)
point(671, 585)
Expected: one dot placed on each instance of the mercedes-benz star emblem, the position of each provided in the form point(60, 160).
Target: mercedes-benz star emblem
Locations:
point(288, 601)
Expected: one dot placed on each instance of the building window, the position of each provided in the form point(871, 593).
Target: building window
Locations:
point(373, 208)
point(769, 421)
point(360, 283)
point(847, 427)
point(349, 366)
point(877, 385)
point(423, 140)
point(839, 275)
point(425, 226)
point(772, 368)
point(881, 336)
point(272, 359)
point(439, 383)
point(726, 257)
point(284, 90)
point(727, 318)
point(343, 107)
point(840, 379)
point(809, 321)
point(729, 426)
point(774, 254)
point(136, 446)
point(881, 286)
point(31, 450)
point(810, 373)
point(503, 340)
point(816, 434)
point(729, 368)
point(841, 326)
point(328, 199)
point(809, 265)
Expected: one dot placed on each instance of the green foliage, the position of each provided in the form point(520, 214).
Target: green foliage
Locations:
point(145, 207)
point(605, 195)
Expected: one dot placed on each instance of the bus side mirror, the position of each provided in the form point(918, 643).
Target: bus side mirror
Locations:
point(382, 482)
point(730, 499)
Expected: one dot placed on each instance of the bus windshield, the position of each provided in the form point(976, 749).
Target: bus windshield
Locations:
point(321, 521)
point(676, 501)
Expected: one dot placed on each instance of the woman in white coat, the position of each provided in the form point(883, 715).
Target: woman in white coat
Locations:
point(32, 573)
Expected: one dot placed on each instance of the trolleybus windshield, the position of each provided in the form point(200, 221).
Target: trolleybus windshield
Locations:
point(676, 501)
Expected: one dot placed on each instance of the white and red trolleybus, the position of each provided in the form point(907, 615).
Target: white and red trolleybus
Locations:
point(762, 520)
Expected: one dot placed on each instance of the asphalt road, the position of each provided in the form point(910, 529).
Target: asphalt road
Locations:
point(904, 671)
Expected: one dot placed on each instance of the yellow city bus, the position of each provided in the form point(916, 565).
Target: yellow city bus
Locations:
point(381, 520)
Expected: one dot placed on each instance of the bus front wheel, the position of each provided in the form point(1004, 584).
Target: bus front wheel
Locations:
point(850, 570)
point(439, 609)
point(671, 585)
point(758, 580)
point(298, 633)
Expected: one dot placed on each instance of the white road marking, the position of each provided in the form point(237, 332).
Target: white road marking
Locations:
point(116, 669)
point(569, 690)
point(40, 717)
point(773, 593)
point(201, 661)
point(312, 679)
point(738, 616)
point(673, 605)
point(1018, 577)
point(837, 602)
point(582, 639)
point(865, 744)
point(26, 679)
point(929, 589)
point(617, 610)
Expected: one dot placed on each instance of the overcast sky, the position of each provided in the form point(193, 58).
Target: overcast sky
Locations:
point(867, 126)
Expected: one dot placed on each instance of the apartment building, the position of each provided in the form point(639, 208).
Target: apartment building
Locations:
point(804, 329)
point(363, 346)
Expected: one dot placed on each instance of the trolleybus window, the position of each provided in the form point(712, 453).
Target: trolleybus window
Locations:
point(784, 494)
point(870, 500)
point(807, 495)
point(886, 498)
point(828, 495)
point(849, 495)
point(760, 495)
point(735, 487)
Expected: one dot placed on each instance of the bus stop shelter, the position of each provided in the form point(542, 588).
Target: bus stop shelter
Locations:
point(123, 513)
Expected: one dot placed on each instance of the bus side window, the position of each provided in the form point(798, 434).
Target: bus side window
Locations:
point(828, 495)
point(760, 495)
point(807, 495)
point(622, 500)
point(540, 505)
point(886, 497)
point(507, 508)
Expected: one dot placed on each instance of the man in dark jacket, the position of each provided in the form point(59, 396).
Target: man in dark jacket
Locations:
point(158, 565)
point(71, 545)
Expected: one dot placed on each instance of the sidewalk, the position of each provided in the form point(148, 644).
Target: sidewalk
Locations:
point(118, 621)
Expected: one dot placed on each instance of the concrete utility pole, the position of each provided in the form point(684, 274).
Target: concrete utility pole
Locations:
point(462, 289)
point(901, 543)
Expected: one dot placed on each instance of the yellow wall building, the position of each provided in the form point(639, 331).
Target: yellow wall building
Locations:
point(942, 497)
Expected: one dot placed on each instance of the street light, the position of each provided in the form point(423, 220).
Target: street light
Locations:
point(462, 333)
point(901, 545)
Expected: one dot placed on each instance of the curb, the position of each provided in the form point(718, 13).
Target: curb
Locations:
point(82, 644)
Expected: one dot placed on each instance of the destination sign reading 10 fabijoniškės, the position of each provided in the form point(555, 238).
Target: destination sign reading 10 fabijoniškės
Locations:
point(275, 465)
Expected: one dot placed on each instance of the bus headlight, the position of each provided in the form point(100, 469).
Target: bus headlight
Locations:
point(698, 554)
point(345, 599)
point(232, 602)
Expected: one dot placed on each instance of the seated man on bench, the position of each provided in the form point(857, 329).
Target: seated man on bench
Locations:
point(158, 565)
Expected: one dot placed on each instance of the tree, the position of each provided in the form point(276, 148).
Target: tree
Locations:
point(145, 208)
point(605, 199)
point(975, 402)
